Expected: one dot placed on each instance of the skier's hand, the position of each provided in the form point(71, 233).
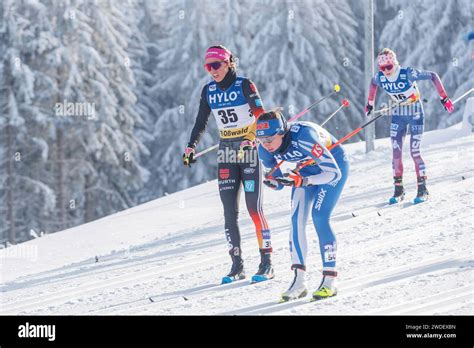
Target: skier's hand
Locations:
point(291, 178)
point(244, 146)
point(448, 104)
point(188, 155)
point(368, 110)
point(270, 182)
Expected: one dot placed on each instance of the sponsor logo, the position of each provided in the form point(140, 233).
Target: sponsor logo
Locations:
point(258, 102)
point(394, 126)
point(404, 76)
point(224, 173)
point(294, 143)
point(249, 170)
point(290, 155)
point(262, 125)
point(295, 128)
point(223, 97)
point(320, 200)
point(394, 86)
point(317, 150)
point(265, 234)
point(212, 88)
point(383, 78)
point(249, 185)
point(238, 83)
point(234, 133)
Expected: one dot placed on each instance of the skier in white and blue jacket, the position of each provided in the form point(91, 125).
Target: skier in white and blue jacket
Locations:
point(316, 188)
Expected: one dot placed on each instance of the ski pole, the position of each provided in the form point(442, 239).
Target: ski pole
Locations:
point(336, 89)
point(345, 104)
point(461, 97)
point(351, 134)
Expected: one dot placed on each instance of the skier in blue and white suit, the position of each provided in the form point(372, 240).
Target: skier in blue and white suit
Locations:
point(316, 188)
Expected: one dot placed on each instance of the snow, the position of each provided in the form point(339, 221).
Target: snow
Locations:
point(398, 260)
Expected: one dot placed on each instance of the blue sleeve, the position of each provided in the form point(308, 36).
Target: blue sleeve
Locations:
point(308, 142)
point(269, 162)
point(416, 75)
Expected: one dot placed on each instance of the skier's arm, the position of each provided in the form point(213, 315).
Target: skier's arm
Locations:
point(372, 92)
point(371, 99)
point(201, 119)
point(309, 144)
point(256, 107)
point(269, 161)
point(420, 75)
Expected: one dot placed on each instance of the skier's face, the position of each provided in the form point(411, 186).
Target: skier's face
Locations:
point(388, 70)
point(217, 73)
point(271, 144)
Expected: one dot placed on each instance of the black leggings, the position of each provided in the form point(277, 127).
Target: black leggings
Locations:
point(233, 172)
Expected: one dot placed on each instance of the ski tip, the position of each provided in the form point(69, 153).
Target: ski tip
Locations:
point(259, 278)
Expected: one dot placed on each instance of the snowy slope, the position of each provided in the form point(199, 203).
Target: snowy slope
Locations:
point(397, 260)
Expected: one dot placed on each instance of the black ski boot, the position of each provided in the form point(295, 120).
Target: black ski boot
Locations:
point(423, 193)
point(265, 269)
point(237, 271)
point(399, 193)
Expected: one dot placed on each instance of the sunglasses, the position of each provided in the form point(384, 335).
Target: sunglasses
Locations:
point(266, 140)
point(213, 65)
point(386, 67)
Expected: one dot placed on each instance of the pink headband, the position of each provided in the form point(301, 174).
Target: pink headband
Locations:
point(218, 53)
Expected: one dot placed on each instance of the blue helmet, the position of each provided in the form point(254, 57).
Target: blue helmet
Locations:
point(271, 123)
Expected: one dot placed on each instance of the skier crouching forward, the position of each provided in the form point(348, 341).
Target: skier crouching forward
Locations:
point(400, 83)
point(315, 188)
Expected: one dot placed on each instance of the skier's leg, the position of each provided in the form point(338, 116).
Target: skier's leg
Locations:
point(229, 191)
point(325, 201)
point(417, 127)
point(301, 201)
point(398, 131)
point(251, 173)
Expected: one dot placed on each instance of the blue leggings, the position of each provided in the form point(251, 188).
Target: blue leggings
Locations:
point(321, 199)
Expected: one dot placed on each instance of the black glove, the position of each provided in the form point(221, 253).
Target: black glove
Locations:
point(272, 183)
point(368, 110)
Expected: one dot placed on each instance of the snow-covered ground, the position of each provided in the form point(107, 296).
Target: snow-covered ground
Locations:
point(397, 260)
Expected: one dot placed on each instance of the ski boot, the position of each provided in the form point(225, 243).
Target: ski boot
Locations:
point(328, 287)
point(265, 269)
point(298, 288)
point(423, 193)
point(399, 193)
point(237, 271)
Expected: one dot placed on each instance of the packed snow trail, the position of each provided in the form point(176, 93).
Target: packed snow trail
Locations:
point(167, 256)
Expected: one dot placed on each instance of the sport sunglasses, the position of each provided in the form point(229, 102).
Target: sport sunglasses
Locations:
point(213, 65)
point(386, 67)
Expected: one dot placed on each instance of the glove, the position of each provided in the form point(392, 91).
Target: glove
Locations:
point(291, 178)
point(368, 110)
point(244, 146)
point(188, 156)
point(448, 104)
point(272, 183)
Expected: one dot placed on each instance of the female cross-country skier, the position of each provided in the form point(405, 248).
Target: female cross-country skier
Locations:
point(235, 103)
point(315, 189)
point(400, 83)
